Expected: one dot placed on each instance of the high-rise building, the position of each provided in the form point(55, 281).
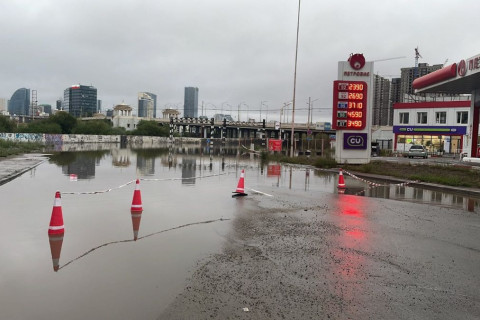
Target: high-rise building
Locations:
point(410, 74)
point(46, 108)
point(19, 103)
point(147, 105)
point(381, 101)
point(190, 106)
point(3, 104)
point(99, 106)
point(395, 96)
point(59, 104)
point(80, 101)
point(395, 86)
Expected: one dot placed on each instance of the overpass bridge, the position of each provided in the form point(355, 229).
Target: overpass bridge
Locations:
point(203, 128)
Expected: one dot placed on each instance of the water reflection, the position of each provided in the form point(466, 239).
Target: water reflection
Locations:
point(415, 194)
point(57, 246)
point(353, 243)
point(82, 164)
point(56, 242)
point(136, 218)
point(189, 168)
point(145, 166)
point(191, 158)
point(121, 157)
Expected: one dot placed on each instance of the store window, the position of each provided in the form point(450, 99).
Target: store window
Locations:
point(441, 117)
point(404, 117)
point(422, 117)
point(462, 117)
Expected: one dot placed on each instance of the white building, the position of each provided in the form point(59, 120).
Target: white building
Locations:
point(3, 104)
point(122, 117)
point(441, 126)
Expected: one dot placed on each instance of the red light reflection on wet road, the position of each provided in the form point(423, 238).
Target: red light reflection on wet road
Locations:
point(349, 255)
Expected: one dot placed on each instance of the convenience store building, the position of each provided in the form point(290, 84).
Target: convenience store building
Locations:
point(440, 126)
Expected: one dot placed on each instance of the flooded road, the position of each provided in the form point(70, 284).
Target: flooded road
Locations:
point(188, 217)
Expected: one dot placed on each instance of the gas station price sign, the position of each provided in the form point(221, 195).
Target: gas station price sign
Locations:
point(349, 105)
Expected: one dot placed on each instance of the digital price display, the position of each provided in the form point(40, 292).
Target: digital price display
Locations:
point(349, 105)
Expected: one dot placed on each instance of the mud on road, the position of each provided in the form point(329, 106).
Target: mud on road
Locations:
point(307, 256)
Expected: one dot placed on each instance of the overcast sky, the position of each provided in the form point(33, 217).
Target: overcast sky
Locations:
point(237, 52)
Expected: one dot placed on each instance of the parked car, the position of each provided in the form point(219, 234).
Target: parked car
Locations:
point(417, 151)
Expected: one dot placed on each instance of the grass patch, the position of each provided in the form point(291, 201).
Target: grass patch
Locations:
point(8, 148)
point(319, 162)
point(445, 175)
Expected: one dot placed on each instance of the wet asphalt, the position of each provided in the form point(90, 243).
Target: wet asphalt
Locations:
point(330, 256)
point(310, 256)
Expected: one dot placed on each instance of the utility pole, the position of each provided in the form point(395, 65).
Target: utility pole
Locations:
point(292, 148)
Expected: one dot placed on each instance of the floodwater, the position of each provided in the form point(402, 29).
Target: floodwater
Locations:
point(102, 272)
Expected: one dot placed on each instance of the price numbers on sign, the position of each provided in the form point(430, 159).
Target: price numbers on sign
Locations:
point(355, 87)
point(355, 96)
point(354, 123)
point(355, 105)
point(349, 105)
point(354, 114)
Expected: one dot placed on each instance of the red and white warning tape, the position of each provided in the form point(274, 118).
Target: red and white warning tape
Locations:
point(101, 191)
point(132, 181)
point(373, 185)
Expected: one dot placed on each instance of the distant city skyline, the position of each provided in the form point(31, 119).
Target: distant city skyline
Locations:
point(238, 53)
point(386, 93)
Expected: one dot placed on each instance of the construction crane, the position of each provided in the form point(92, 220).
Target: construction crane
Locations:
point(417, 55)
point(389, 59)
point(394, 58)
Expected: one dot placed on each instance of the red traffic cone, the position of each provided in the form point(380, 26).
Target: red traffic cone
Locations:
point(56, 226)
point(56, 242)
point(137, 199)
point(341, 182)
point(136, 217)
point(240, 191)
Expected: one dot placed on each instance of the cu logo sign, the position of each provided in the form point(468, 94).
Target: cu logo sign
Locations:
point(462, 68)
point(355, 141)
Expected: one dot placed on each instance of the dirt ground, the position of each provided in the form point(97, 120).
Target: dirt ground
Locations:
point(309, 256)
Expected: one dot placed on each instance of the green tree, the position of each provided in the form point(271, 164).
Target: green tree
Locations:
point(43, 126)
point(118, 131)
point(66, 121)
point(150, 128)
point(6, 124)
point(92, 127)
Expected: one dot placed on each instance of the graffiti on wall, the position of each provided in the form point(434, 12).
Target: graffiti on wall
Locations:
point(22, 137)
point(54, 139)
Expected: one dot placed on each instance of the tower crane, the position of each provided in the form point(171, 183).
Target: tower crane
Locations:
point(389, 59)
point(417, 55)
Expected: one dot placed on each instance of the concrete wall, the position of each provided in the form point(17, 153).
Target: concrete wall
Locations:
point(59, 139)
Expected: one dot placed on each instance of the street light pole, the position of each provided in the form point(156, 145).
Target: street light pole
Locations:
point(295, 86)
point(261, 104)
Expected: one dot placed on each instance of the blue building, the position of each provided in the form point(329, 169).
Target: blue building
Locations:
point(190, 106)
point(147, 105)
point(19, 103)
point(80, 101)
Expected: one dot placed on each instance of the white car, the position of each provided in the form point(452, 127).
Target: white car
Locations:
point(417, 151)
